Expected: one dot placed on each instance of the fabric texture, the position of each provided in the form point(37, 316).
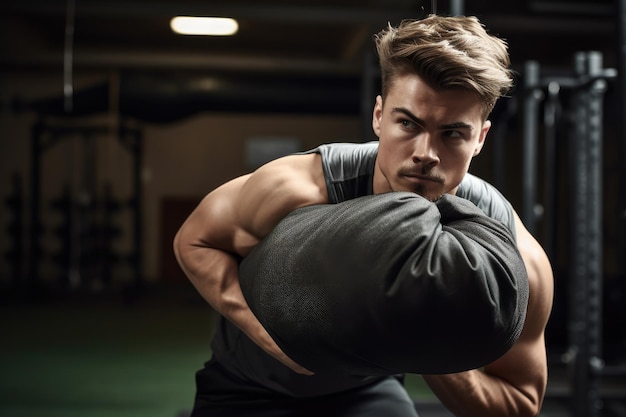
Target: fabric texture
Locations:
point(349, 173)
point(388, 284)
point(220, 394)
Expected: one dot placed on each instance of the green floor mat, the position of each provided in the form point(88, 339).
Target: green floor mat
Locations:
point(107, 359)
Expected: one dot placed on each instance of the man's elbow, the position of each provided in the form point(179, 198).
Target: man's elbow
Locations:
point(530, 409)
point(176, 245)
point(186, 258)
point(529, 404)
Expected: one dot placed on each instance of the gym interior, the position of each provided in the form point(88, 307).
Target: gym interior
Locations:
point(113, 128)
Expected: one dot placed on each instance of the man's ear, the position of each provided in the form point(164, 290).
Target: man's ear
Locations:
point(481, 138)
point(377, 114)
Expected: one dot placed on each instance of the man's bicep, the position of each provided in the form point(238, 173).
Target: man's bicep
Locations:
point(236, 215)
point(213, 223)
point(278, 188)
point(540, 281)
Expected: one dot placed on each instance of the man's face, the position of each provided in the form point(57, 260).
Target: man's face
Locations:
point(427, 137)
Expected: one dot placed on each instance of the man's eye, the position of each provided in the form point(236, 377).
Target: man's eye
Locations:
point(454, 134)
point(407, 124)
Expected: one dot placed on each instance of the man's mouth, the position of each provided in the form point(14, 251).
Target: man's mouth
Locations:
point(413, 177)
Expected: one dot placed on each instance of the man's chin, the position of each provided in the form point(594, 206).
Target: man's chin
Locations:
point(429, 195)
point(434, 198)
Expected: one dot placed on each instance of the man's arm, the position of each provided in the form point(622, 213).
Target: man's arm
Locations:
point(230, 221)
point(515, 384)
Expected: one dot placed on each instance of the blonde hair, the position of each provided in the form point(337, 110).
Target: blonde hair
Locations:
point(447, 53)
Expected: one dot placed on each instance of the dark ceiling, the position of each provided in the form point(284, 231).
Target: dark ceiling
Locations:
point(306, 41)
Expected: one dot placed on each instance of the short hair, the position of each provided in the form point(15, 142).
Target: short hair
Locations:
point(447, 53)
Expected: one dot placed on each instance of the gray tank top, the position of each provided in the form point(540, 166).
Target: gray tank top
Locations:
point(349, 173)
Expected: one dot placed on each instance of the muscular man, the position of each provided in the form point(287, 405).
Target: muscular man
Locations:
point(441, 77)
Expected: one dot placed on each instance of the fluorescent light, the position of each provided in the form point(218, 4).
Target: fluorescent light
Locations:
point(209, 26)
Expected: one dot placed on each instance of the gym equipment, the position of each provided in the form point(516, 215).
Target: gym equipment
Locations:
point(15, 231)
point(388, 284)
point(87, 227)
point(586, 85)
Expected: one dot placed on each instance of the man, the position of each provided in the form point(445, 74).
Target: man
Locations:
point(441, 77)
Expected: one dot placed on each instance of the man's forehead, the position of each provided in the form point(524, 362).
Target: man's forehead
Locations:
point(418, 98)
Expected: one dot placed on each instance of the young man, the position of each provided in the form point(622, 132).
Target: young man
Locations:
point(441, 77)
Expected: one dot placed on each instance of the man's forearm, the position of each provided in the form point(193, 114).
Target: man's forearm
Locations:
point(475, 393)
point(215, 275)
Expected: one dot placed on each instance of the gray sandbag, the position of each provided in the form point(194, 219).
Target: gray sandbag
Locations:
point(389, 284)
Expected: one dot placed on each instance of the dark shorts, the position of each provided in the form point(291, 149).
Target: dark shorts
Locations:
point(220, 394)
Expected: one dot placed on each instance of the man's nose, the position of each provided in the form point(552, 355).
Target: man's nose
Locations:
point(424, 151)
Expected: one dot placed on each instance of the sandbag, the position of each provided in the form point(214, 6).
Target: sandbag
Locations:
point(391, 283)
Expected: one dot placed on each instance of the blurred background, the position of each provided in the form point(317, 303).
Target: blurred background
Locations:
point(113, 127)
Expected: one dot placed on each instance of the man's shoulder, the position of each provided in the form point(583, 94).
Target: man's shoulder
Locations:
point(473, 184)
point(487, 198)
point(348, 169)
point(346, 149)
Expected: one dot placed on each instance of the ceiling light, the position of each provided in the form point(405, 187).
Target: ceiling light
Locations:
point(208, 26)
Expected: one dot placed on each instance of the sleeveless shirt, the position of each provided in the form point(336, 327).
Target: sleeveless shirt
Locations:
point(349, 173)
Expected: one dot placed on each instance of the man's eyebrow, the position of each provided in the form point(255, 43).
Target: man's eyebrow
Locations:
point(410, 115)
point(417, 120)
point(457, 125)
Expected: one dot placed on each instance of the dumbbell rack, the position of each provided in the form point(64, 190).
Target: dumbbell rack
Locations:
point(87, 228)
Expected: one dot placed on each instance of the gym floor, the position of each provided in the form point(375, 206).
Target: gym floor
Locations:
point(97, 356)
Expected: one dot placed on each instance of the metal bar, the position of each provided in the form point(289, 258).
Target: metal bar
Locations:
point(104, 59)
point(457, 7)
point(621, 88)
point(578, 284)
point(16, 202)
point(68, 55)
point(295, 13)
point(594, 224)
point(34, 252)
point(499, 153)
point(306, 14)
point(587, 250)
point(499, 142)
point(137, 150)
point(368, 92)
point(551, 110)
point(588, 9)
point(529, 181)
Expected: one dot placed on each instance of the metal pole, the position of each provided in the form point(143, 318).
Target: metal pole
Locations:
point(34, 253)
point(68, 58)
point(594, 224)
point(16, 202)
point(137, 149)
point(367, 95)
point(551, 115)
point(578, 284)
point(498, 142)
point(621, 53)
point(587, 249)
point(531, 106)
point(457, 7)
